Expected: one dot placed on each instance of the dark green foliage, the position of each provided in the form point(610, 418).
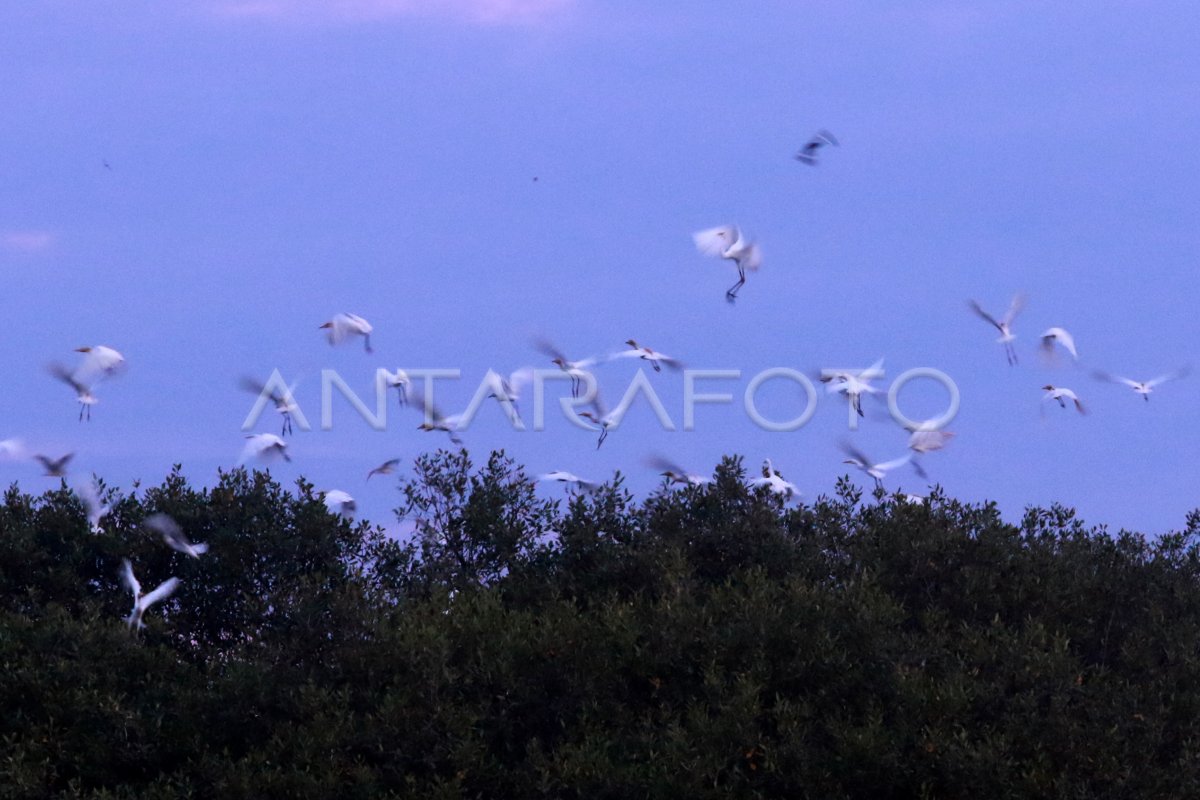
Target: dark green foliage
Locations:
point(706, 642)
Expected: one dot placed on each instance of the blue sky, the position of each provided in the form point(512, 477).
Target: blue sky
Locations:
point(274, 163)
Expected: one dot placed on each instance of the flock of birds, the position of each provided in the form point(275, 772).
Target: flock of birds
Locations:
point(99, 363)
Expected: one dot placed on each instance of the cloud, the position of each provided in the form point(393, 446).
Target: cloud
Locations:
point(26, 241)
point(476, 11)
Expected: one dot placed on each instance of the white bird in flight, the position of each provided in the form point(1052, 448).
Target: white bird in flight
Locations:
point(95, 507)
point(774, 481)
point(399, 381)
point(1004, 324)
point(601, 417)
point(339, 502)
point(1144, 388)
point(1061, 396)
point(927, 437)
point(83, 391)
point(435, 420)
point(343, 326)
point(173, 535)
point(509, 390)
point(284, 402)
point(853, 383)
point(577, 370)
point(878, 471)
point(12, 449)
point(263, 447)
point(675, 473)
point(142, 602)
point(728, 242)
point(655, 358)
point(559, 476)
point(1061, 336)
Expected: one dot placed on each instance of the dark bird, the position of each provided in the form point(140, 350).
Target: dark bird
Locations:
point(808, 153)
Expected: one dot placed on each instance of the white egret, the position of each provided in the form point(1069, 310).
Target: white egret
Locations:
point(878, 471)
point(263, 447)
point(339, 503)
point(1061, 336)
point(1061, 396)
point(344, 326)
point(728, 242)
point(142, 602)
point(1004, 324)
point(655, 358)
point(174, 536)
point(559, 476)
point(1144, 388)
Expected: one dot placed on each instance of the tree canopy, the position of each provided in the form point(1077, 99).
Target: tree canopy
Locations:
point(706, 641)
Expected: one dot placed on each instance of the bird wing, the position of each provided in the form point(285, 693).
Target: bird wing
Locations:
point(856, 454)
point(519, 379)
point(545, 346)
point(1101, 375)
point(983, 314)
point(713, 241)
point(1014, 308)
point(1179, 373)
point(169, 529)
point(888, 466)
point(751, 258)
point(660, 464)
point(128, 580)
point(67, 377)
point(160, 592)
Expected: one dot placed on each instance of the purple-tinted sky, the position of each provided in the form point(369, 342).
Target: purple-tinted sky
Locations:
point(274, 162)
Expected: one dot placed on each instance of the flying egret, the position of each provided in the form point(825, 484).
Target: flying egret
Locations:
point(435, 420)
point(878, 471)
point(577, 370)
point(96, 508)
point(344, 326)
point(12, 449)
point(399, 381)
point(1061, 395)
point(600, 416)
point(808, 153)
point(853, 383)
point(774, 481)
point(386, 468)
point(926, 437)
point(263, 447)
point(173, 535)
point(655, 358)
point(55, 467)
point(83, 391)
point(284, 403)
point(1004, 324)
point(1144, 388)
point(559, 476)
point(339, 503)
point(1060, 336)
point(142, 602)
point(728, 242)
point(675, 473)
point(509, 390)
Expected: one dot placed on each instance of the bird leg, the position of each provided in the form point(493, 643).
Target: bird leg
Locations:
point(367, 343)
point(403, 395)
point(603, 436)
point(731, 294)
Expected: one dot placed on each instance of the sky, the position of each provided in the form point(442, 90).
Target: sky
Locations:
point(202, 185)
